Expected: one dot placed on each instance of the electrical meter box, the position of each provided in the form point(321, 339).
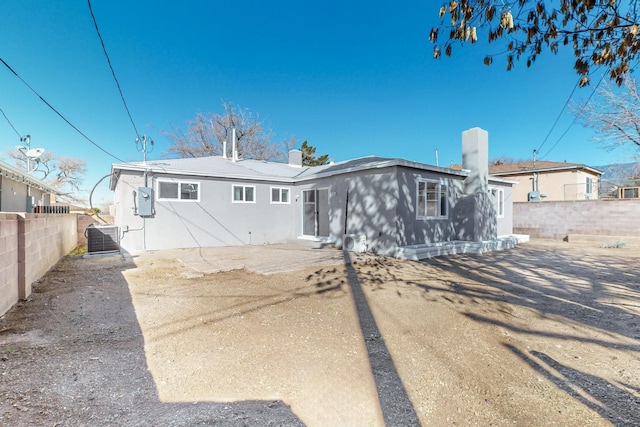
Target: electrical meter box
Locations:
point(145, 201)
point(534, 196)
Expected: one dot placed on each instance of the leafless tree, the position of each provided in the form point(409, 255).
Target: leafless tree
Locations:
point(206, 134)
point(614, 113)
point(600, 32)
point(503, 160)
point(65, 174)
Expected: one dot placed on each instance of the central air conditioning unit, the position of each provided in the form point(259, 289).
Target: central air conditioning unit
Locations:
point(102, 239)
point(354, 243)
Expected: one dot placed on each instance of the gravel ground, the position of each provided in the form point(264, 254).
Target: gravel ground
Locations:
point(545, 334)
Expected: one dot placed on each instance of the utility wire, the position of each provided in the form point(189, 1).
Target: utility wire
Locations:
point(113, 73)
point(57, 112)
point(576, 116)
point(557, 118)
point(10, 124)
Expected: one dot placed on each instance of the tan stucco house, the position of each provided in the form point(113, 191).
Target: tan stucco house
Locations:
point(550, 181)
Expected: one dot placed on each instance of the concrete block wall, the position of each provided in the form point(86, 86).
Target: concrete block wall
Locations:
point(47, 238)
point(9, 264)
point(556, 220)
point(30, 245)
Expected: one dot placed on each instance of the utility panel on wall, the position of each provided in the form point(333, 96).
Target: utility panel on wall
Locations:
point(145, 201)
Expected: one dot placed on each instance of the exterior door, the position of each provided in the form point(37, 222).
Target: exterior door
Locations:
point(309, 212)
point(322, 212)
point(315, 215)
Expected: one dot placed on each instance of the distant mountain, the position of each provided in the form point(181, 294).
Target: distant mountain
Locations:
point(621, 173)
point(618, 175)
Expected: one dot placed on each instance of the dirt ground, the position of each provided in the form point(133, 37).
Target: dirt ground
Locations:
point(544, 334)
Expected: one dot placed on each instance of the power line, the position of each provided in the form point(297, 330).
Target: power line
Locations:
point(10, 124)
point(57, 112)
point(576, 116)
point(113, 73)
point(558, 118)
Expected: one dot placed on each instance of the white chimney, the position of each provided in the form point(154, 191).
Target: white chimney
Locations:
point(234, 146)
point(224, 149)
point(295, 158)
point(475, 159)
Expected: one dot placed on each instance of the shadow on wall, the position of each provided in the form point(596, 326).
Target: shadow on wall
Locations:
point(474, 218)
point(382, 206)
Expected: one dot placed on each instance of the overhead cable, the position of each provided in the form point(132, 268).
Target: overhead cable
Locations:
point(558, 118)
point(10, 124)
point(575, 118)
point(57, 112)
point(113, 73)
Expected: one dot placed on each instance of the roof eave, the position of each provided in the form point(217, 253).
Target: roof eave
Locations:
point(553, 169)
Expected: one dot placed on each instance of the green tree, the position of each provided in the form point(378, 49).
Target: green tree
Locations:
point(600, 32)
point(309, 156)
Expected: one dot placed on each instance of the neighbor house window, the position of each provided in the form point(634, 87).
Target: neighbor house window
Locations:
point(178, 190)
point(244, 194)
point(280, 195)
point(589, 188)
point(432, 200)
point(498, 201)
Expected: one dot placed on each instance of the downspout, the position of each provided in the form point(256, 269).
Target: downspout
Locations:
point(346, 211)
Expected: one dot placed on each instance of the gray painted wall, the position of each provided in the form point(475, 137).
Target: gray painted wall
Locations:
point(505, 224)
point(213, 221)
point(380, 204)
point(13, 196)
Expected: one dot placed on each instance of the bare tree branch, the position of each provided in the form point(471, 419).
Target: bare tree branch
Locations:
point(600, 32)
point(614, 113)
point(207, 133)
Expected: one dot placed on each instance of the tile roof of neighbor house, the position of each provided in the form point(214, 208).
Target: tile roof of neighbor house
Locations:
point(541, 166)
point(260, 170)
point(20, 176)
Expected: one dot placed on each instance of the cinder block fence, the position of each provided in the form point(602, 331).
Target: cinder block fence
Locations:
point(559, 220)
point(30, 245)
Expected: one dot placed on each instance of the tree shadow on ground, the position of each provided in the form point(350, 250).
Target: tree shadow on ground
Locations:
point(598, 293)
point(614, 403)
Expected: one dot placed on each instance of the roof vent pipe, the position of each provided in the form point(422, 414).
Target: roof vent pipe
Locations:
point(224, 149)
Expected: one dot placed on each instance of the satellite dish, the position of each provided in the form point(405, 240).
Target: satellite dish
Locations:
point(34, 153)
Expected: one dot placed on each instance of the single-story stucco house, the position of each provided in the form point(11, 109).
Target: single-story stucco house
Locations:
point(386, 206)
point(21, 192)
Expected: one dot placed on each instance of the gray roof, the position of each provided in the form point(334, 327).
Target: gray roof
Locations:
point(260, 170)
point(17, 175)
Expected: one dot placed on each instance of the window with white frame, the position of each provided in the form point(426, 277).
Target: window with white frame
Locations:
point(244, 194)
point(280, 195)
point(589, 186)
point(498, 200)
point(432, 200)
point(178, 191)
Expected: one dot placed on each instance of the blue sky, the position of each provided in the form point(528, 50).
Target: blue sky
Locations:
point(353, 79)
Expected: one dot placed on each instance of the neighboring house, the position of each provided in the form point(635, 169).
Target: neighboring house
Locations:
point(20, 192)
point(550, 181)
point(387, 203)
